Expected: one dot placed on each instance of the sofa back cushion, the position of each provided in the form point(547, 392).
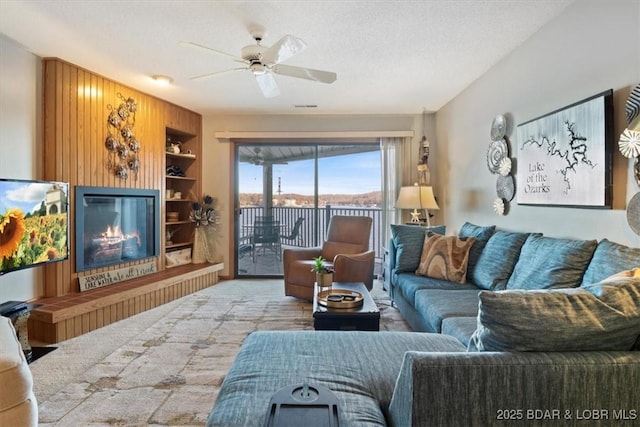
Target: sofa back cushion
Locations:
point(481, 234)
point(408, 241)
point(547, 263)
point(602, 316)
point(497, 260)
point(445, 257)
point(609, 258)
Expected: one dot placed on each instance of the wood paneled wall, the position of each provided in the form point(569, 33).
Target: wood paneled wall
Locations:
point(76, 107)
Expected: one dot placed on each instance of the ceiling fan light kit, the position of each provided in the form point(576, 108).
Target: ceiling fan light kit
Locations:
point(264, 61)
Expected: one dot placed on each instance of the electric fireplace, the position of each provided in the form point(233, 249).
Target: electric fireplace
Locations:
point(115, 226)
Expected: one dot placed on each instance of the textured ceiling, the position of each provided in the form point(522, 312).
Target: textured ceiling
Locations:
point(391, 57)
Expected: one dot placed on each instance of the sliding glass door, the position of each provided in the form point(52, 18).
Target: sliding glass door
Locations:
point(287, 193)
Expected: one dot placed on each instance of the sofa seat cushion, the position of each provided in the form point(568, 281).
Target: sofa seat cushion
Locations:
point(602, 316)
point(408, 284)
point(437, 305)
point(610, 258)
point(408, 241)
point(548, 263)
point(461, 328)
point(498, 259)
point(360, 368)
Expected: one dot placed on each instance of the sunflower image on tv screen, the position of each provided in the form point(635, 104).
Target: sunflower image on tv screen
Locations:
point(33, 223)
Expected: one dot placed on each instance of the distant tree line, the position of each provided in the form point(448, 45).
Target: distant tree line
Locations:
point(373, 198)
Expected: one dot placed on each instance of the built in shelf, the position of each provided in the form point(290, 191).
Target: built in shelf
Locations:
point(178, 222)
point(182, 156)
point(182, 178)
point(179, 245)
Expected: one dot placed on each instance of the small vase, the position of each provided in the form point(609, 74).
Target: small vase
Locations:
point(202, 248)
point(324, 280)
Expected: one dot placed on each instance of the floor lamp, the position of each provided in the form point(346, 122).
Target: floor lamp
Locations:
point(417, 197)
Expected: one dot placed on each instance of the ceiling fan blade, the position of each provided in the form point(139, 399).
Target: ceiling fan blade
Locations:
point(210, 50)
point(217, 73)
point(283, 49)
point(305, 73)
point(267, 85)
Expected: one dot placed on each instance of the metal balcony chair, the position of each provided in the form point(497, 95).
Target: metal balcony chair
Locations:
point(266, 235)
point(295, 235)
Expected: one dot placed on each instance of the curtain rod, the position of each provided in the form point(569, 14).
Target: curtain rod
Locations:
point(226, 136)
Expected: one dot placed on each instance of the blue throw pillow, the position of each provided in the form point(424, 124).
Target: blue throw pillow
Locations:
point(610, 258)
point(497, 260)
point(602, 316)
point(547, 262)
point(408, 240)
point(482, 235)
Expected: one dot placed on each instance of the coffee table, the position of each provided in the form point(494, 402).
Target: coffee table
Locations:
point(366, 317)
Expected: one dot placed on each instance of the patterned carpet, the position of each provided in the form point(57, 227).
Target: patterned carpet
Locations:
point(165, 366)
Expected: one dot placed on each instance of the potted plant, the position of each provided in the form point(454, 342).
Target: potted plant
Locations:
point(324, 273)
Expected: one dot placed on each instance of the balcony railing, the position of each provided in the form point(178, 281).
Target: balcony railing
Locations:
point(313, 230)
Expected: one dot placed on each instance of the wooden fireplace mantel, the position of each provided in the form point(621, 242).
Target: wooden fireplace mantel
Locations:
point(61, 318)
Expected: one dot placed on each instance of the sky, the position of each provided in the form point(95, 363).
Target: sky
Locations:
point(348, 174)
point(25, 195)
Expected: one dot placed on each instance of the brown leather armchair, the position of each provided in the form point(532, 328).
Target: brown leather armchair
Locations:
point(346, 250)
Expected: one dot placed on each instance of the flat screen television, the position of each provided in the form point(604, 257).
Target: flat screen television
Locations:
point(34, 223)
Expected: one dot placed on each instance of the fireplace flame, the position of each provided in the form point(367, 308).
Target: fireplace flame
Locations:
point(112, 233)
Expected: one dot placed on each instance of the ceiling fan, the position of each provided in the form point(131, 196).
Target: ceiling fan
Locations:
point(264, 61)
point(257, 159)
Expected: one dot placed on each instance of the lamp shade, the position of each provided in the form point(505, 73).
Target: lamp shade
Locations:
point(416, 197)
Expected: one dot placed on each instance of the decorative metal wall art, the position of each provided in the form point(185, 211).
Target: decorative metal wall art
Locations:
point(629, 145)
point(499, 163)
point(629, 142)
point(564, 157)
point(498, 127)
point(121, 143)
point(633, 213)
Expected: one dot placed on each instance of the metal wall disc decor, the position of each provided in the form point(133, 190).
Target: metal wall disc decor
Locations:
point(632, 107)
point(505, 166)
point(633, 213)
point(505, 187)
point(629, 143)
point(636, 170)
point(498, 128)
point(498, 206)
point(497, 151)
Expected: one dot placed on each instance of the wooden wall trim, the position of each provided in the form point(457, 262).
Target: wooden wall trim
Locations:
point(76, 106)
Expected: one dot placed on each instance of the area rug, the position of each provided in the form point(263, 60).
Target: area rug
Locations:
point(165, 366)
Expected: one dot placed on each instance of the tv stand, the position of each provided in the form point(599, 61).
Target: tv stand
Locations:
point(9, 308)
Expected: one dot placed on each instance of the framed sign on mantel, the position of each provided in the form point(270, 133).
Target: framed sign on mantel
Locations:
point(564, 157)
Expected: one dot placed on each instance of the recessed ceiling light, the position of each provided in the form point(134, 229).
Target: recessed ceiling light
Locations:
point(162, 80)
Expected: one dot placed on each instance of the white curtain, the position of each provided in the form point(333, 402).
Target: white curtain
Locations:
point(392, 152)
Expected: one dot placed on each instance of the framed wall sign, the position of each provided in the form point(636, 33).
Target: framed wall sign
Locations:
point(564, 157)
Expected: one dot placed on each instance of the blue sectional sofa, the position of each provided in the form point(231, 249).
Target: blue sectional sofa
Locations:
point(543, 331)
